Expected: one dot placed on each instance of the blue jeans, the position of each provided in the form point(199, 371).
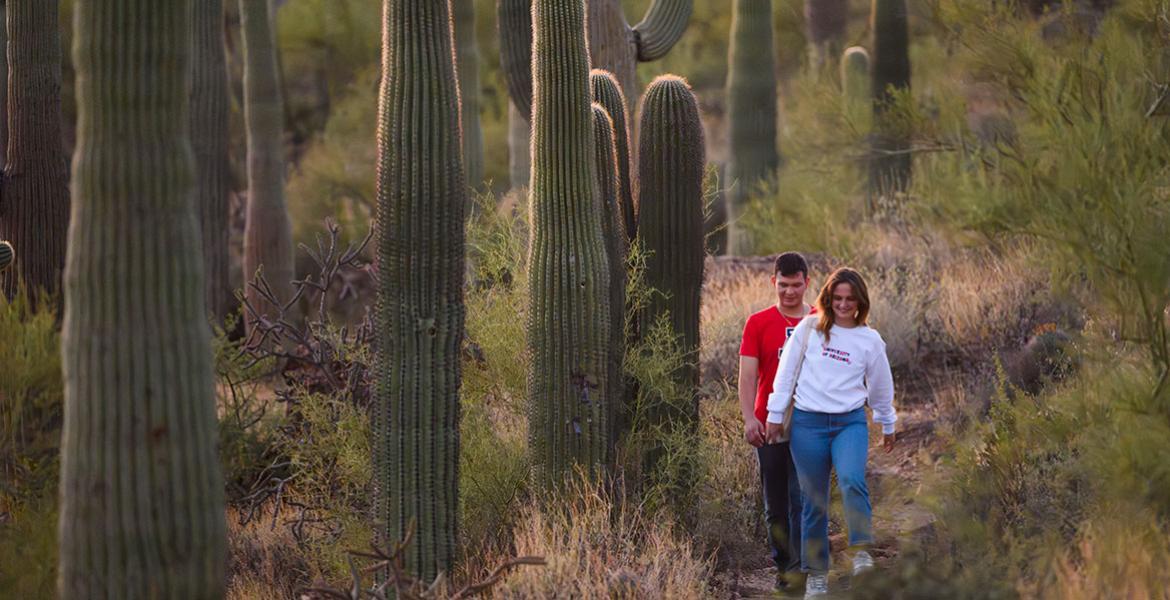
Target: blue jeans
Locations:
point(820, 443)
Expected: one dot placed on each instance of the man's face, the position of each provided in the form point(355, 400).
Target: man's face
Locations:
point(790, 289)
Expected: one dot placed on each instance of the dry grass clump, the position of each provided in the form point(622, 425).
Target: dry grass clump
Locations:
point(1113, 560)
point(598, 546)
point(264, 561)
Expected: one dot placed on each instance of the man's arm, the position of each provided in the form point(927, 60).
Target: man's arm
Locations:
point(749, 370)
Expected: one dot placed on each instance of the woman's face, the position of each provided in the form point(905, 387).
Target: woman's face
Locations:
point(844, 302)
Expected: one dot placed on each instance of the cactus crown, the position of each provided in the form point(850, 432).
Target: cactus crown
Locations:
point(7, 255)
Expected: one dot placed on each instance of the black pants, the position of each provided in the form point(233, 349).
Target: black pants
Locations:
point(782, 505)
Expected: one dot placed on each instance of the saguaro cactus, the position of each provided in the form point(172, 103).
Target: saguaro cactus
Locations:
point(671, 157)
point(608, 94)
point(890, 72)
point(422, 200)
point(613, 44)
point(467, 57)
point(7, 255)
point(209, 140)
point(751, 101)
point(519, 151)
point(267, 230)
point(34, 197)
point(855, 82)
point(142, 511)
point(569, 279)
point(616, 248)
point(825, 22)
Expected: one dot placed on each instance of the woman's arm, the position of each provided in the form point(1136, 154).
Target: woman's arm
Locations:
point(880, 383)
point(785, 381)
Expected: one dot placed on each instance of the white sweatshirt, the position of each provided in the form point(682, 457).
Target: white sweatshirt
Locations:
point(837, 377)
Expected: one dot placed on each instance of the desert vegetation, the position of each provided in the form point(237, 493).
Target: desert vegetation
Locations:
point(401, 298)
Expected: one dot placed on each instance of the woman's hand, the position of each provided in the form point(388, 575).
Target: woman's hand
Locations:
point(888, 441)
point(775, 432)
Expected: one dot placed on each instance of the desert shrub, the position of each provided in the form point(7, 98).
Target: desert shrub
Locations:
point(31, 394)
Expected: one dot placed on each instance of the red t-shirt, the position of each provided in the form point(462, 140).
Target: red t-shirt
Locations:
point(764, 336)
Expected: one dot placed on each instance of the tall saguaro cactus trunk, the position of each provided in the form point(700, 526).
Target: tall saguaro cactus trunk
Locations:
point(569, 279)
point(418, 318)
point(890, 165)
point(751, 101)
point(467, 55)
point(209, 140)
point(671, 161)
point(142, 508)
point(825, 21)
point(3, 89)
point(34, 199)
point(267, 229)
point(616, 248)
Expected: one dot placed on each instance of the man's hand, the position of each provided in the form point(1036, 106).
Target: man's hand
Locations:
point(775, 432)
point(888, 441)
point(753, 431)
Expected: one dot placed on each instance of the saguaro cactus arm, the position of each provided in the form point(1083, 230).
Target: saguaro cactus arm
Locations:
point(514, 20)
point(608, 94)
point(661, 27)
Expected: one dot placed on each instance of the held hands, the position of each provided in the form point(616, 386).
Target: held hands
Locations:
point(753, 431)
point(888, 441)
point(775, 432)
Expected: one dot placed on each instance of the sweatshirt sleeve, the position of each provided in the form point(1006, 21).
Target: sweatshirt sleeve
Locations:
point(785, 382)
point(880, 384)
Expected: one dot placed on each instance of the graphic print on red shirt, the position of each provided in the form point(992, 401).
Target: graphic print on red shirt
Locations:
point(764, 336)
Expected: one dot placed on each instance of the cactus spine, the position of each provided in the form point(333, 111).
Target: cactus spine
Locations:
point(751, 101)
point(267, 230)
point(422, 201)
point(671, 157)
point(35, 190)
point(209, 140)
point(7, 255)
point(608, 94)
point(142, 508)
point(890, 165)
point(569, 279)
point(467, 55)
point(616, 248)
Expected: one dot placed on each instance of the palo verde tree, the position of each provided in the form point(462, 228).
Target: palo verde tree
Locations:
point(569, 278)
point(142, 507)
point(419, 314)
point(751, 112)
point(34, 197)
point(614, 45)
point(267, 229)
point(209, 140)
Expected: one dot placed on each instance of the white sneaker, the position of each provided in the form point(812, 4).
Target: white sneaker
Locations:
point(862, 562)
point(816, 585)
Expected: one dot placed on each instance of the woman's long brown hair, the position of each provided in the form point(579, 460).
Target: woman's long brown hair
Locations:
point(825, 298)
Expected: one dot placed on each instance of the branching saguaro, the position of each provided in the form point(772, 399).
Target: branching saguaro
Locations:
point(142, 508)
point(418, 318)
point(267, 229)
point(608, 94)
point(671, 165)
point(613, 44)
point(209, 140)
point(34, 197)
point(751, 101)
point(568, 316)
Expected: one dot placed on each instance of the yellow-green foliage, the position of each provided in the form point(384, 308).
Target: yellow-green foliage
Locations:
point(30, 412)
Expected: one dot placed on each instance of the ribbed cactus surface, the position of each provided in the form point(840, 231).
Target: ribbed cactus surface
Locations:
point(209, 140)
point(608, 94)
point(142, 507)
point(34, 197)
point(467, 63)
point(267, 229)
point(671, 157)
point(890, 72)
point(616, 248)
point(751, 112)
point(515, 26)
point(7, 255)
point(569, 279)
point(519, 151)
point(419, 313)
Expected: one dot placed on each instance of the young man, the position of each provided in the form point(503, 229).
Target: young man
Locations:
point(764, 336)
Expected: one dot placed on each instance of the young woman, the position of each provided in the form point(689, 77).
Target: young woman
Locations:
point(833, 365)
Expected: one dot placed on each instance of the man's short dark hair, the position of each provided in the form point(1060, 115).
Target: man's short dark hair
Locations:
point(791, 263)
